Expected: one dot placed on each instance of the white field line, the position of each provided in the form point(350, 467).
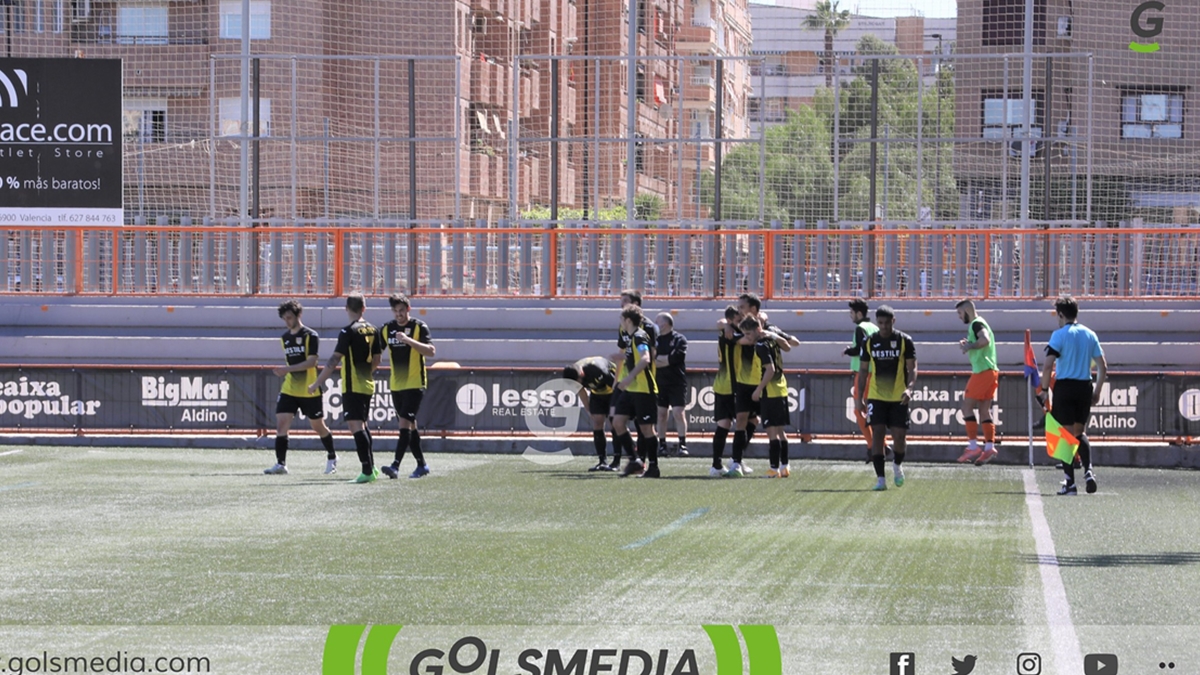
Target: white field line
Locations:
point(1068, 657)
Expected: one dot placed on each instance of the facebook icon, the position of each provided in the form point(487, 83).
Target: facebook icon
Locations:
point(903, 663)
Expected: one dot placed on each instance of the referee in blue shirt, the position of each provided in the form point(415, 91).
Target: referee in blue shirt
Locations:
point(1072, 350)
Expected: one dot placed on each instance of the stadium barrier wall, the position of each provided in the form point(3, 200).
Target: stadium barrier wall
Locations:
point(145, 400)
point(798, 261)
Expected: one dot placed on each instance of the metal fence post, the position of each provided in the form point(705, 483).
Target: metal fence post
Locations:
point(435, 261)
point(843, 283)
point(570, 260)
point(391, 245)
point(481, 258)
point(800, 251)
point(458, 259)
point(730, 243)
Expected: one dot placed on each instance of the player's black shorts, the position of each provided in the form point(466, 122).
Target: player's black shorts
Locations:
point(672, 394)
point(600, 404)
point(407, 402)
point(356, 407)
point(311, 406)
point(775, 412)
point(743, 399)
point(724, 407)
point(1072, 402)
point(891, 414)
point(640, 406)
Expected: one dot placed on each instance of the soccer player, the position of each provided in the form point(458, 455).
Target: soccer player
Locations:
point(745, 379)
point(770, 392)
point(890, 359)
point(980, 347)
point(300, 353)
point(671, 377)
point(1072, 350)
point(749, 304)
point(409, 344)
point(358, 351)
point(630, 297)
point(724, 409)
point(638, 398)
point(863, 328)
point(596, 376)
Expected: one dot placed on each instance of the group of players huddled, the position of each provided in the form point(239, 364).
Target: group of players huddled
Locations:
point(359, 350)
point(751, 388)
point(645, 383)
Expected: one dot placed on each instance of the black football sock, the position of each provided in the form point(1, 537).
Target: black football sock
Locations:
point(897, 457)
point(773, 452)
point(739, 445)
point(617, 447)
point(327, 441)
point(783, 451)
point(415, 446)
point(362, 443)
point(751, 427)
point(719, 437)
point(648, 450)
point(601, 445)
point(402, 446)
point(281, 448)
point(682, 441)
point(1085, 452)
point(878, 461)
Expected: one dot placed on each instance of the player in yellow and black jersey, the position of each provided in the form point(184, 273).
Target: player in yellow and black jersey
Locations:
point(631, 297)
point(723, 404)
point(300, 352)
point(890, 359)
point(358, 351)
point(763, 361)
point(637, 398)
point(409, 343)
point(596, 376)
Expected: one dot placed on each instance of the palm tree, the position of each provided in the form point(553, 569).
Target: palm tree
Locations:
point(832, 21)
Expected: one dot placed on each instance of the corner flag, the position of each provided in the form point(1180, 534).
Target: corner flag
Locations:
point(1061, 444)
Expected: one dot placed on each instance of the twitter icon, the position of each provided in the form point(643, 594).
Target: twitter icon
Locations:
point(963, 666)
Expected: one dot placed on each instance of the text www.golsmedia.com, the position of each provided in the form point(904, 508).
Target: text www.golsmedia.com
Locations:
point(122, 662)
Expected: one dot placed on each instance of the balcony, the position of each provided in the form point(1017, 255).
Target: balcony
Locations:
point(697, 40)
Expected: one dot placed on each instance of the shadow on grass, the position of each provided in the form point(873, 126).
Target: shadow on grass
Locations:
point(1115, 559)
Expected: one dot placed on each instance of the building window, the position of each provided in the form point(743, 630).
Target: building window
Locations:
point(1151, 114)
point(230, 123)
point(1004, 23)
point(260, 19)
point(639, 154)
point(143, 23)
point(1005, 118)
point(144, 120)
point(641, 85)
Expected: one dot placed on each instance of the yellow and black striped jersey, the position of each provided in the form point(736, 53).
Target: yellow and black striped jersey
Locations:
point(297, 348)
point(358, 344)
point(889, 370)
point(639, 344)
point(408, 364)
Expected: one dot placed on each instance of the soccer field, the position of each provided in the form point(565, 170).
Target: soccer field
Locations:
point(196, 552)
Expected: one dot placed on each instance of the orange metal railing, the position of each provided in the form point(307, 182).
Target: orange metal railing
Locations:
point(541, 261)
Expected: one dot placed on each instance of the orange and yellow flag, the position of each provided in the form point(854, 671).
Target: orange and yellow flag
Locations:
point(1061, 444)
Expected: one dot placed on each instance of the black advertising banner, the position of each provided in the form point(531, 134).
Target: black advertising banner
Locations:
point(539, 402)
point(60, 141)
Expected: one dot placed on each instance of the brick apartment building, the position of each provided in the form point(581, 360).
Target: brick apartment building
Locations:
point(1144, 142)
point(335, 122)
